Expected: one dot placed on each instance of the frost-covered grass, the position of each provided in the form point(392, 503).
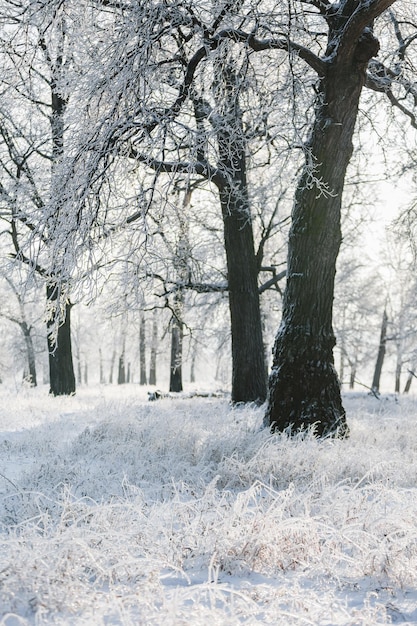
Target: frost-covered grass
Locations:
point(114, 510)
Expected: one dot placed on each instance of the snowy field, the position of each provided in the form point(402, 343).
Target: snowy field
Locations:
point(115, 510)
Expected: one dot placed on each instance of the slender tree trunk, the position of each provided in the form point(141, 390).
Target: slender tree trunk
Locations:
point(175, 381)
point(353, 364)
point(121, 374)
point(408, 382)
point(112, 362)
point(100, 357)
point(61, 369)
point(154, 347)
point(193, 360)
point(30, 352)
point(352, 376)
point(142, 350)
point(381, 354)
point(79, 373)
point(342, 367)
point(398, 369)
point(304, 388)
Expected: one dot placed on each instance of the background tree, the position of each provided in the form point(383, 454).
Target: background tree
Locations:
point(200, 126)
point(35, 56)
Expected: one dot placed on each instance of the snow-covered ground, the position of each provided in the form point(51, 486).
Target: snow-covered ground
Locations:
point(115, 510)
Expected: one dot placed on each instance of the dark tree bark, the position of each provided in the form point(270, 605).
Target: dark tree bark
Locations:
point(304, 388)
point(248, 375)
point(61, 369)
point(154, 347)
point(112, 362)
point(30, 352)
point(121, 373)
point(409, 380)
point(381, 354)
point(398, 369)
point(193, 360)
point(142, 350)
point(177, 331)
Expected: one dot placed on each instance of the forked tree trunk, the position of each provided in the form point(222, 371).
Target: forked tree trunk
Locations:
point(61, 369)
point(304, 388)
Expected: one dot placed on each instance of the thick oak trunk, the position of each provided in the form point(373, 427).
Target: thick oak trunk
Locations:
point(248, 366)
point(304, 388)
point(61, 369)
point(248, 375)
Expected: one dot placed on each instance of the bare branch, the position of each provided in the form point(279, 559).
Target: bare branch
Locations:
point(273, 282)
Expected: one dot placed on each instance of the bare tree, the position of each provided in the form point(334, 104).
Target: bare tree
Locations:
point(34, 57)
point(21, 319)
point(190, 115)
point(303, 388)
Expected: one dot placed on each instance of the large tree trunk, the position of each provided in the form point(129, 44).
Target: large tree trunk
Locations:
point(248, 375)
point(61, 369)
point(304, 388)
